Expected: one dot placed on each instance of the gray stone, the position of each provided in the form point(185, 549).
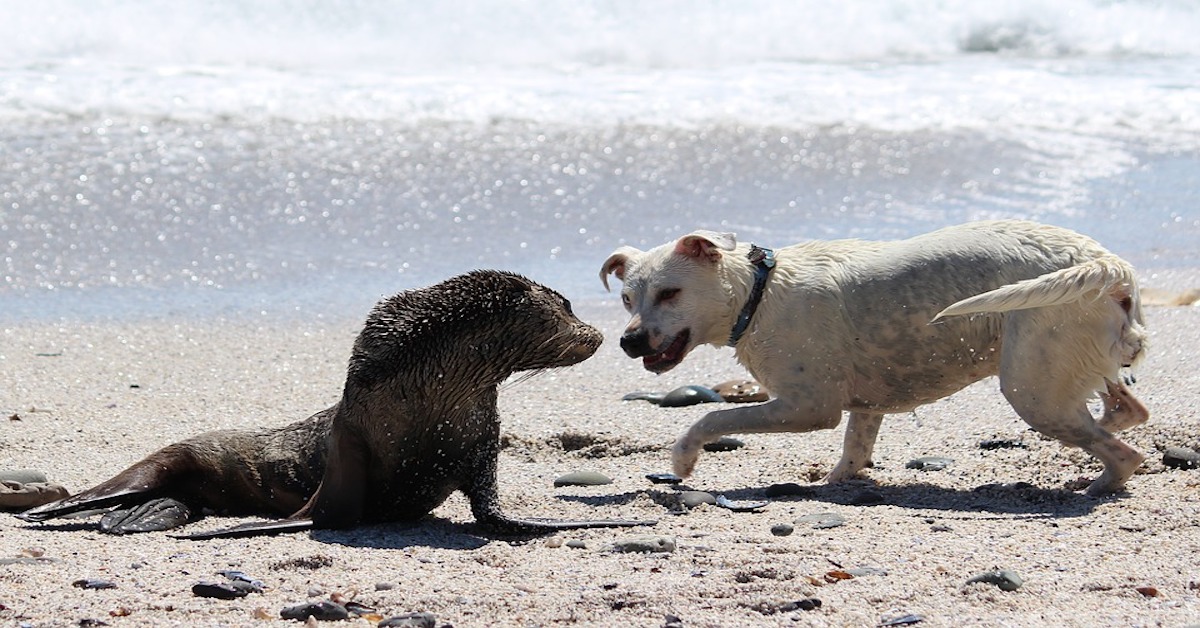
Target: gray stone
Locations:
point(582, 478)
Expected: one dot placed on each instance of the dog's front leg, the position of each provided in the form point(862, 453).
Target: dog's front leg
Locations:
point(774, 416)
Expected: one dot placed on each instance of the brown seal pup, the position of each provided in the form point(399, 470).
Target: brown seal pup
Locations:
point(417, 420)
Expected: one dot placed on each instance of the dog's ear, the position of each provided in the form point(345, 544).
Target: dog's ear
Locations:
point(615, 264)
point(705, 244)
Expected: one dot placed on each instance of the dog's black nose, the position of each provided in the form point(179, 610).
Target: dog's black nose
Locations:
point(636, 343)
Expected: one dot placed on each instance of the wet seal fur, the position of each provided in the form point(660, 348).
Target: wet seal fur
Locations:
point(873, 328)
point(417, 420)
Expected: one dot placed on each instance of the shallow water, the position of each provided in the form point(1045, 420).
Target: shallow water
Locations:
point(321, 158)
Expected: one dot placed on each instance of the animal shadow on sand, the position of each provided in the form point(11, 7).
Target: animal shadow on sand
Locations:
point(1017, 499)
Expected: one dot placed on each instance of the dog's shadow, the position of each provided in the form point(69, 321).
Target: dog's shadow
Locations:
point(1017, 499)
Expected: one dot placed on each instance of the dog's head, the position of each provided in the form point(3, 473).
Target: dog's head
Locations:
point(676, 297)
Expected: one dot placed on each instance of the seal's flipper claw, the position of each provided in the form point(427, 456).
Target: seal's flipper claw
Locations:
point(155, 515)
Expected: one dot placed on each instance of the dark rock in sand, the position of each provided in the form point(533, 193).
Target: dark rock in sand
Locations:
point(782, 529)
point(663, 478)
point(725, 443)
point(409, 620)
point(1002, 443)
point(1181, 458)
point(324, 610)
point(219, 590)
point(91, 583)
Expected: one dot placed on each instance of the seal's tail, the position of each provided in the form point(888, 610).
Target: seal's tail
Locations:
point(1107, 275)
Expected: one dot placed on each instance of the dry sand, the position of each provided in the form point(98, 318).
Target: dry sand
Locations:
point(82, 401)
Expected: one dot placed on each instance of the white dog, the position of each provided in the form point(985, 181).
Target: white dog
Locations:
point(873, 328)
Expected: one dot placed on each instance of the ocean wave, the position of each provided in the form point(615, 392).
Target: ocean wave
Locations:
point(374, 35)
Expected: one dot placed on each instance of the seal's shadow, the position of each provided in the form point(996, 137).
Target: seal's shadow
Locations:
point(430, 532)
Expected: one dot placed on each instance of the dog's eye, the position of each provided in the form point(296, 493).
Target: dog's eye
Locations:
point(667, 294)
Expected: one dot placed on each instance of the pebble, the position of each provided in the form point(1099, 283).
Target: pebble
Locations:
point(1004, 579)
point(577, 544)
point(1180, 458)
point(663, 478)
point(23, 476)
point(219, 590)
point(385, 586)
point(929, 463)
point(91, 583)
point(725, 443)
point(1002, 443)
point(672, 621)
point(691, 499)
point(582, 478)
point(740, 505)
point(324, 610)
point(804, 604)
point(782, 529)
point(645, 544)
point(409, 620)
point(859, 572)
point(678, 398)
point(742, 391)
point(689, 396)
point(903, 620)
point(822, 520)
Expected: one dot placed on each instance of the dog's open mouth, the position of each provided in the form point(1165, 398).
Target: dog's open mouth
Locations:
point(666, 359)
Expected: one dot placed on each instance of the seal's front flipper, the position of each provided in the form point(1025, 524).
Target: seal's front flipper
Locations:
point(155, 515)
point(254, 528)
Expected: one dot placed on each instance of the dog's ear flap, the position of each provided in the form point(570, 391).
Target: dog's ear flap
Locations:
point(705, 244)
point(616, 263)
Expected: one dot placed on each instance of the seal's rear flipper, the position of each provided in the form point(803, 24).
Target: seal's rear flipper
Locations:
point(254, 528)
point(155, 515)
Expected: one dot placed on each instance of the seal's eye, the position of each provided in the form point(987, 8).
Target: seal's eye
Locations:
point(666, 294)
point(626, 300)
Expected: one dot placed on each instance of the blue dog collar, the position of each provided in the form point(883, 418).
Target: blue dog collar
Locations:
point(763, 260)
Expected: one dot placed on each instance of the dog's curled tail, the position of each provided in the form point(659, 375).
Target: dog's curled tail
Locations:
point(1107, 275)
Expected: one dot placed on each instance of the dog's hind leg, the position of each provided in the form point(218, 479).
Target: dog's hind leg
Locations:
point(773, 416)
point(859, 443)
point(1121, 409)
point(1050, 365)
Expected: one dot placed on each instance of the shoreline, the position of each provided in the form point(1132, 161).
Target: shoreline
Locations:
point(93, 398)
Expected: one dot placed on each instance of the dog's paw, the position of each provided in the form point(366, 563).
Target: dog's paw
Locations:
point(683, 456)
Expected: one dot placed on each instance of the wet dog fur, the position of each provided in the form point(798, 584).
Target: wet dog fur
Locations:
point(874, 328)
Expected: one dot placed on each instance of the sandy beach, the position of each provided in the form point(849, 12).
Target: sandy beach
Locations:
point(82, 401)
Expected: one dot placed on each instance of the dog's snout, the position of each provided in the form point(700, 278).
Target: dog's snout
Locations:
point(636, 343)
